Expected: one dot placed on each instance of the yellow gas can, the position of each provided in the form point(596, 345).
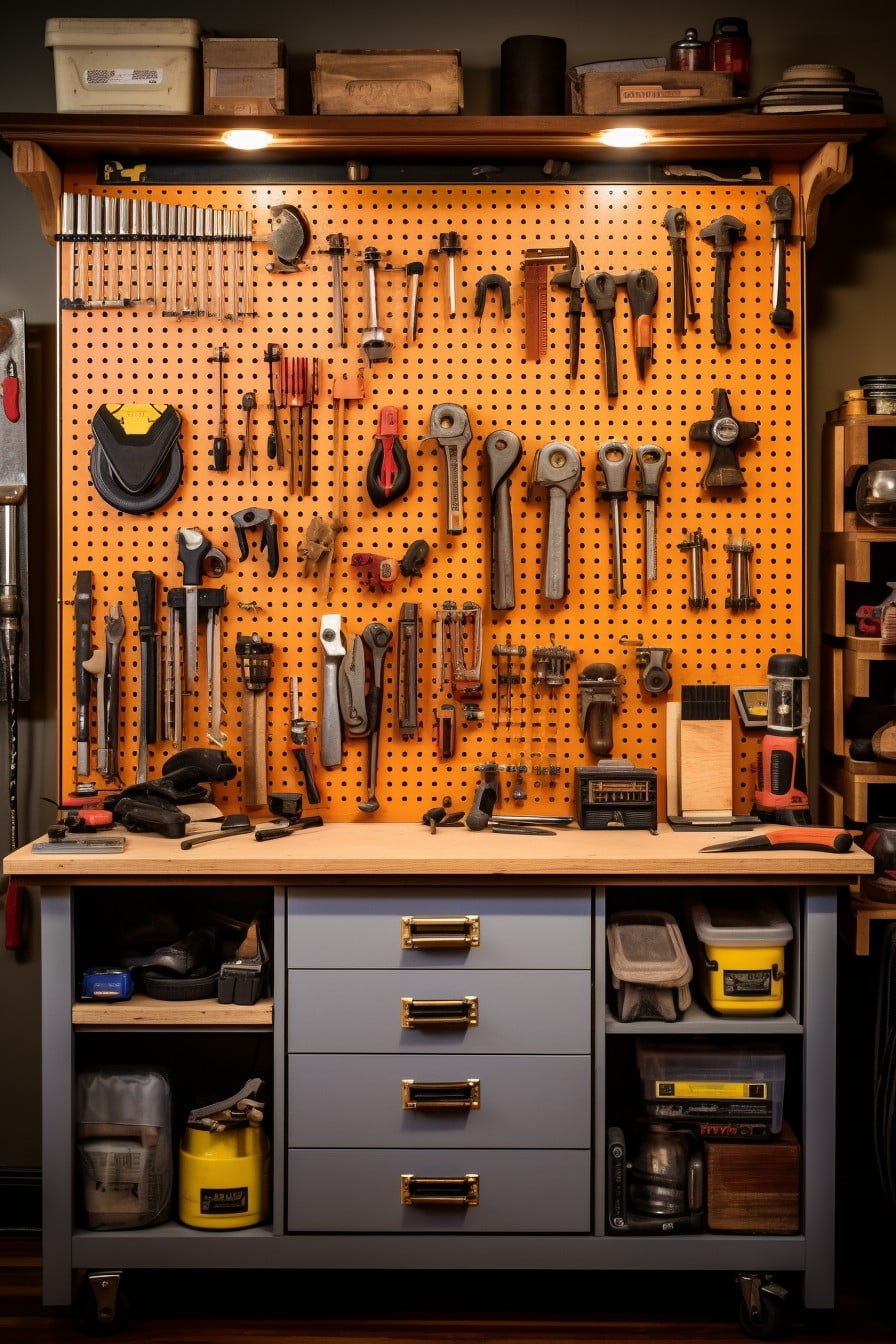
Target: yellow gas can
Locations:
point(225, 1177)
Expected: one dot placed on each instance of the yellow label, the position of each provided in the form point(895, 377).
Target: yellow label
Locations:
point(136, 419)
point(696, 1089)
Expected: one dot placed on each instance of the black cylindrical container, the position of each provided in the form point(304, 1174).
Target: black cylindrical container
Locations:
point(533, 76)
point(690, 53)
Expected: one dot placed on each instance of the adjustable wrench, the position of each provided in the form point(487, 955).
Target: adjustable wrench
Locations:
point(723, 233)
point(331, 723)
point(557, 468)
point(503, 452)
point(449, 425)
point(615, 459)
point(351, 681)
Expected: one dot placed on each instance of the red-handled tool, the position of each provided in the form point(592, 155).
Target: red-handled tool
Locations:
point(828, 839)
point(11, 408)
point(388, 472)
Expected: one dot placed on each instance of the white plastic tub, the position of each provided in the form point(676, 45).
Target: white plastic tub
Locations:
point(125, 65)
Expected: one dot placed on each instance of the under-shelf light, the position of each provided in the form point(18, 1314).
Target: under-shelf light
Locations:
point(246, 138)
point(624, 137)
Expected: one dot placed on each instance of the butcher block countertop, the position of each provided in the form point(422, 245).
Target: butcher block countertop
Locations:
point(370, 850)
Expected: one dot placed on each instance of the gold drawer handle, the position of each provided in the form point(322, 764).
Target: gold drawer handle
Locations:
point(440, 1012)
point(453, 931)
point(460, 1191)
point(461, 1096)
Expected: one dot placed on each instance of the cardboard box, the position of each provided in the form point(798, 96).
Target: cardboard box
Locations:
point(352, 83)
point(753, 1187)
point(125, 65)
point(243, 53)
point(240, 92)
point(595, 93)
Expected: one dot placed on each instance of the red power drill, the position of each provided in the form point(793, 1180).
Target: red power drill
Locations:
point(780, 794)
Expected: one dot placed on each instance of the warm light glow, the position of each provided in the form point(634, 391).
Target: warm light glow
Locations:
point(624, 137)
point(247, 139)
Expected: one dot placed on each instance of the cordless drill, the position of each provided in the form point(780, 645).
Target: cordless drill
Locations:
point(780, 794)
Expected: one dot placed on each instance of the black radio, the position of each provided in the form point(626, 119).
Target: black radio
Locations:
point(615, 795)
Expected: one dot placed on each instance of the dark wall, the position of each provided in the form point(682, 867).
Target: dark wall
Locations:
point(851, 272)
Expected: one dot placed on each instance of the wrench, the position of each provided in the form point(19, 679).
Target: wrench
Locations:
point(601, 291)
point(351, 678)
point(651, 461)
point(571, 279)
point(503, 451)
point(557, 468)
point(781, 204)
point(449, 425)
point(331, 722)
point(723, 233)
point(377, 638)
point(615, 459)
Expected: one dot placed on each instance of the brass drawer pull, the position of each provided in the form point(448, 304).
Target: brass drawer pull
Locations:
point(452, 931)
point(461, 1191)
point(463, 1096)
point(440, 1012)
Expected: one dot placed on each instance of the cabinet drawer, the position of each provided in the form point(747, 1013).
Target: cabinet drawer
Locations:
point(517, 1012)
point(548, 927)
point(521, 1191)
point(380, 1101)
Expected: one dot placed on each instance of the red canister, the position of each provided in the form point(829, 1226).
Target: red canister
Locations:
point(729, 50)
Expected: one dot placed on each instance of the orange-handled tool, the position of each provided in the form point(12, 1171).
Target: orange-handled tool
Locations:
point(825, 838)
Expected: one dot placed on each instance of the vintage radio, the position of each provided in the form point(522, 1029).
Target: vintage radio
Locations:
point(615, 795)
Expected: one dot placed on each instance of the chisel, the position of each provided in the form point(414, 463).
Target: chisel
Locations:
point(825, 838)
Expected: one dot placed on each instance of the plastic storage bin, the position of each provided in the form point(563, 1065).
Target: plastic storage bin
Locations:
point(125, 65)
point(124, 1146)
point(741, 971)
point(699, 1081)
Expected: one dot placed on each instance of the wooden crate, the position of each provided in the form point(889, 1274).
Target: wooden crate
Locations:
point(349, 83)
point(596, 92)
point(754, 1187)
point(257, 91)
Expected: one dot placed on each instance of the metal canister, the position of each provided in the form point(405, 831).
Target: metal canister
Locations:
point(729, 50)
point(690, 53)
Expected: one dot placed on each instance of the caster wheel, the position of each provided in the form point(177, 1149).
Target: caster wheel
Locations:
point(766, 1322)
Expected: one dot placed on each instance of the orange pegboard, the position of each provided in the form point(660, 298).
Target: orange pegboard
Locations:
point(137, 354)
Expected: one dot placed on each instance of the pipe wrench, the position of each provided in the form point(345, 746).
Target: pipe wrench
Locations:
point(334, 649)
point(503, 452)
point(557, 469)
point(449, 425)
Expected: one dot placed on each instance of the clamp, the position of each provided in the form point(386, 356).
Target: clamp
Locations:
point(483, 285)
point(248, 518)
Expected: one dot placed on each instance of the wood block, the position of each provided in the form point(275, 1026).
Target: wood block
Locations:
point(244, 92)
point(753, 1187)
point(704, 754)
point(346, 83)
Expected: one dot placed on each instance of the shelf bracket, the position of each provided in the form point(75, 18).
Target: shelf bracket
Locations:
point(43, 178)
point(829, 169)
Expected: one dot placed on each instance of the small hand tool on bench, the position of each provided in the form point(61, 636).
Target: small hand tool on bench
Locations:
point(827, 839)
point(238, 824)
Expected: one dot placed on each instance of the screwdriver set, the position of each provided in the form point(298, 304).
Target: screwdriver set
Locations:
point(556, 457)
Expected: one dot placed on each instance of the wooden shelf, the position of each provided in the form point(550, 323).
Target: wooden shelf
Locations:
point(726, 135)
point(142, 1011)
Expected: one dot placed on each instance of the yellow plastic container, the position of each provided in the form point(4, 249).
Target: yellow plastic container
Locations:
point(741, 970)
point(225, 1178)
